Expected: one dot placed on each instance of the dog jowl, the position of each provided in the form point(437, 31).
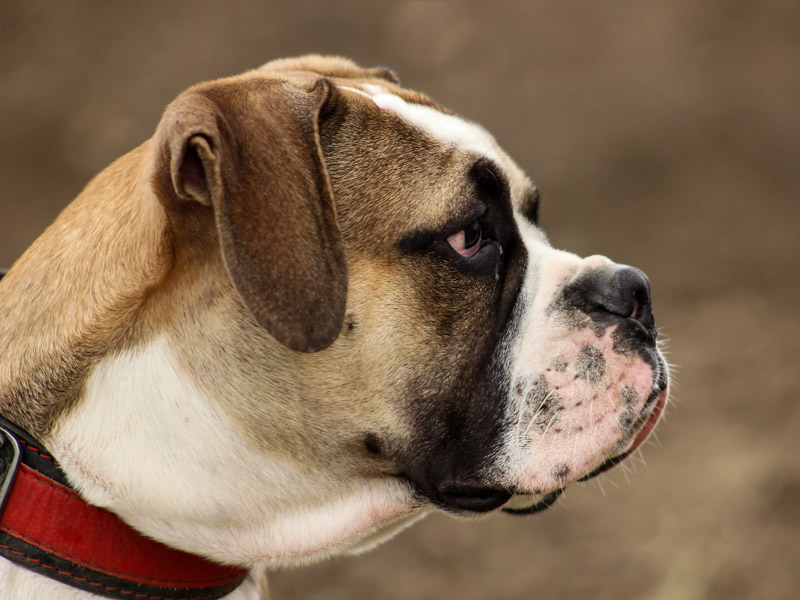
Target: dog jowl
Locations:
point(312, 308)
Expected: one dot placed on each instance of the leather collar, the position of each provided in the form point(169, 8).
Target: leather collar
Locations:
point(46, 527)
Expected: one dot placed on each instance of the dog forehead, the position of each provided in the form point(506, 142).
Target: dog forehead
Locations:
point(449, 129)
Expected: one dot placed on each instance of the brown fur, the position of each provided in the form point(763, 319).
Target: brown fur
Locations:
point(80, 291)
point(74, 295)
point(250, 149)
point(262, 204)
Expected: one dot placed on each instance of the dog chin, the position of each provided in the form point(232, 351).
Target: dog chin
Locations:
point(387, 531)
point(528, 504)
point(355, 523)
point(539, 489)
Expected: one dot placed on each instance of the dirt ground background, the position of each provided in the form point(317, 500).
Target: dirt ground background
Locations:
point(666, 135)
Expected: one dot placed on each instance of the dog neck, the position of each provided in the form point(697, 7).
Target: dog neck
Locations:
point(48, 528)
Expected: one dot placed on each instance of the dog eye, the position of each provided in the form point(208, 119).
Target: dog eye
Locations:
point(468, 241)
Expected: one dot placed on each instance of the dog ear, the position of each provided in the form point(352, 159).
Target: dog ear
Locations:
point(330, 66)
point(250, 150)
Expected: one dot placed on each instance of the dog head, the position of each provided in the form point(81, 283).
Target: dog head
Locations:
point(356, 318)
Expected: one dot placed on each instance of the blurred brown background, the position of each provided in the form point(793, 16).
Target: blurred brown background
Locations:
point(666, 135)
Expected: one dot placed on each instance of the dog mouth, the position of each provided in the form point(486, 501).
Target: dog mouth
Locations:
point(644, 425)
point(650, 416)
point(472, 498)
point(474, 495)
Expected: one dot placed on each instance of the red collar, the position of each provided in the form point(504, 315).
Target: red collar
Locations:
point(48, 528)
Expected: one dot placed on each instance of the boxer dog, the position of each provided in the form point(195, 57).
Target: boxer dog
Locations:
point(314, 307)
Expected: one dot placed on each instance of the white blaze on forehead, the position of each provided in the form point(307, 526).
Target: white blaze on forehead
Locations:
point(355, 90)
point(450, 129)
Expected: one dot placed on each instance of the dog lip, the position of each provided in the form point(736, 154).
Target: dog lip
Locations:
point(546, 502)
point(472, 497)
point(655, 404)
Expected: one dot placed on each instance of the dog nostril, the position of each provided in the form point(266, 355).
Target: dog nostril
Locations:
point(625, 293)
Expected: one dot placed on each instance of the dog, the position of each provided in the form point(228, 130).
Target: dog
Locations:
point(314, 307)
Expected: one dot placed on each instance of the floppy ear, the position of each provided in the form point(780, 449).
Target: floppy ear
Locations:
point(250, 150)
point(330, 66)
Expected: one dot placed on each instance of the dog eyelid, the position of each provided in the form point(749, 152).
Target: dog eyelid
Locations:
point(423, 238)
point(468, 241)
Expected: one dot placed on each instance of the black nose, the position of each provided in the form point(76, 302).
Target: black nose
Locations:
point(472, 497)
point(623, 293)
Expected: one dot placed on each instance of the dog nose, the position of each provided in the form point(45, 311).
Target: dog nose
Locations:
point(625, 293)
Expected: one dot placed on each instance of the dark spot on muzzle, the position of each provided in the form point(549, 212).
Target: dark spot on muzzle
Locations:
point(590, 365)
point(629, 396)
point(627, 419)
point(560, 473)
point(559, 364)
point(543, 401)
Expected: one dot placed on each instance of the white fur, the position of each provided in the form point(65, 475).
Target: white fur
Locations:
point(450, 129)
point(355, 90)
point(146, 444)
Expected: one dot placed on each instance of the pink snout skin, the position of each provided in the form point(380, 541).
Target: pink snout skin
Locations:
point(587, 406)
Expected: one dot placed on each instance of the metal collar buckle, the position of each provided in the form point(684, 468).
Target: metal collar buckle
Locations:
point(9, 463)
